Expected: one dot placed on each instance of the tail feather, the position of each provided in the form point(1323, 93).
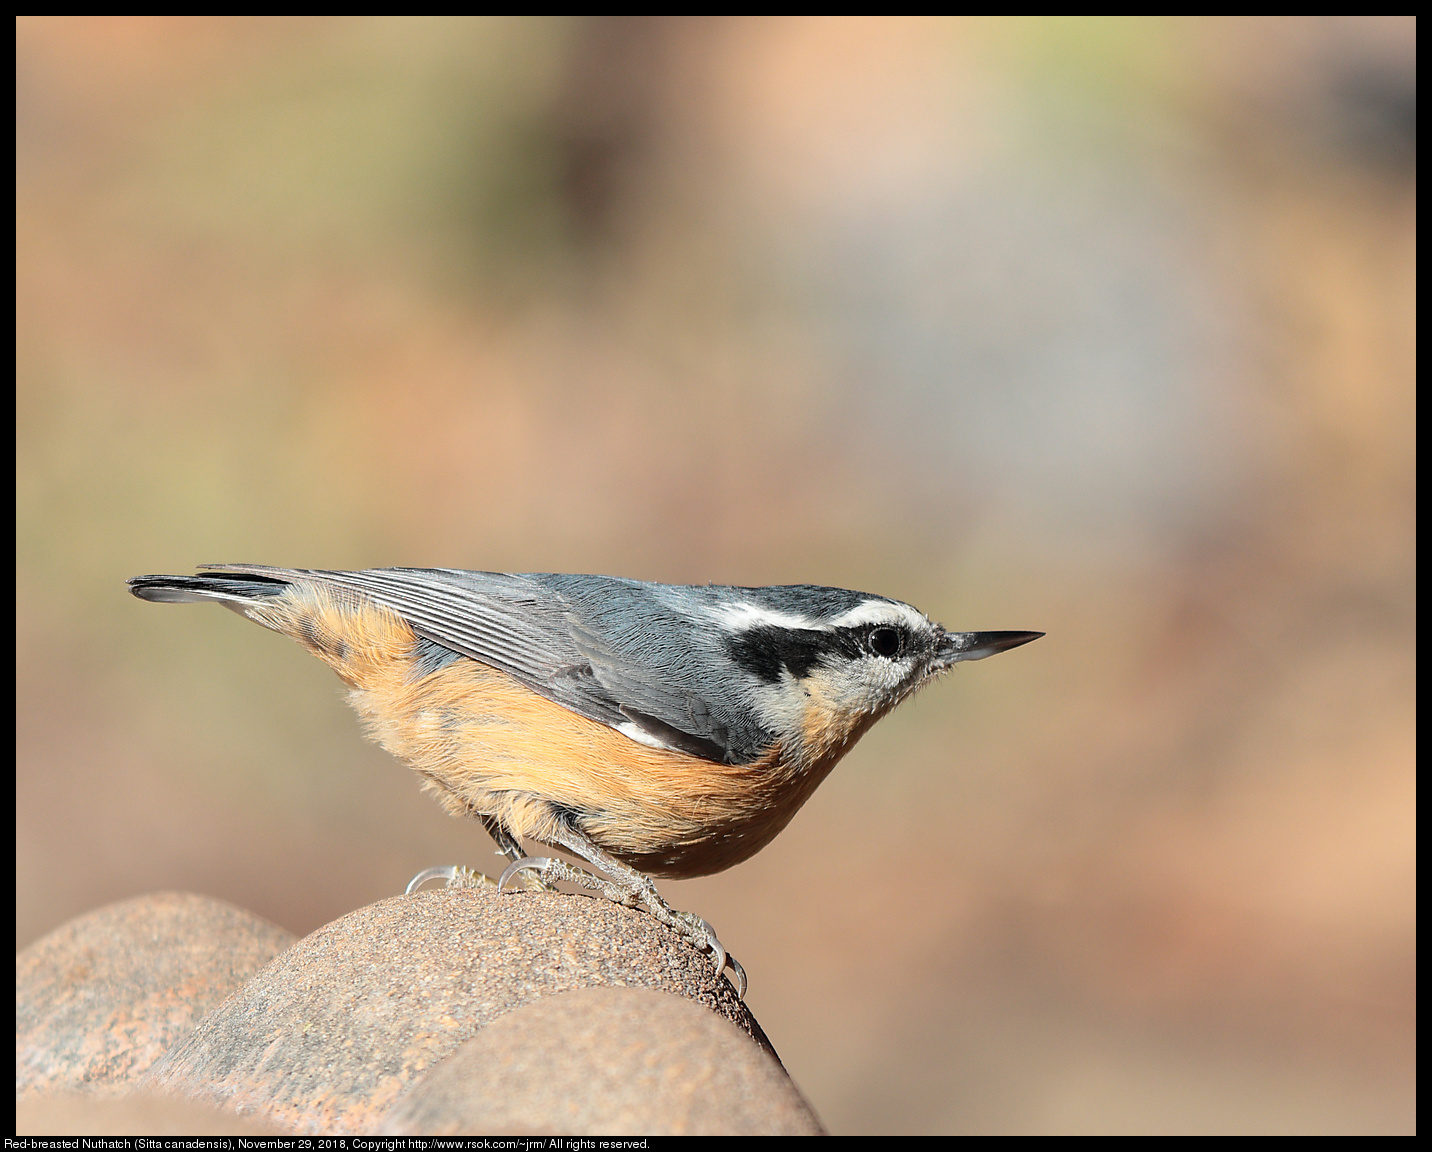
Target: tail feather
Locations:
point(197, 589)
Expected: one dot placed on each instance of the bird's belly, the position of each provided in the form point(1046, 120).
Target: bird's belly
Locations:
point(486, 744)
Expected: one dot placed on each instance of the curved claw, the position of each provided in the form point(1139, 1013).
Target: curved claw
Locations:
point(740, 974)
point(718, 953)
point(526, 864)
point(721, 958)
point(446, 872)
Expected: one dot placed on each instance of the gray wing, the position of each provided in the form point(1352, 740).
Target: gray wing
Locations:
point(605, 647)
point(652, 647)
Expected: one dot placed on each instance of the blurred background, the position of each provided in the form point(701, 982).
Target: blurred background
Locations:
point(1099, 327)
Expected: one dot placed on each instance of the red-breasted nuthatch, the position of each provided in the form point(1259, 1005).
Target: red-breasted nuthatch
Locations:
point(645, 728)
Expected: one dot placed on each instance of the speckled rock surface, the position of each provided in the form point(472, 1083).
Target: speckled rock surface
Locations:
point(336, 1030)
point(101, 998)
point(607, 1062)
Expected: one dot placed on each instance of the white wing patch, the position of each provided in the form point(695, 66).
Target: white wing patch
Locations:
point(642, 736)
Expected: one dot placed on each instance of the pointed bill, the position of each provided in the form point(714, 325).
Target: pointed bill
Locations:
point(957, 646)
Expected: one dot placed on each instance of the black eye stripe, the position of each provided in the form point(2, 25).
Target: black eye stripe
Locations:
point(768, 650)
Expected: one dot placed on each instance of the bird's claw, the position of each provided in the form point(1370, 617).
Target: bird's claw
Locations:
point(453, 875)
point(539, 864)
point(437, 872)
point(705, 938)
point(739, 983)
point(721, 959)
point(718, 958)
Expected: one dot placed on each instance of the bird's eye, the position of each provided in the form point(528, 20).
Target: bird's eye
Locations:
point(885, 642)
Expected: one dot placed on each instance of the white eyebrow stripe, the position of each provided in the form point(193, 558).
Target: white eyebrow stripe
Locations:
point(880, 611)
point(742, 616)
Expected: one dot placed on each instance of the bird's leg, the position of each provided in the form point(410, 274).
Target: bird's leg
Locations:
point(507, 844)
point(630, 888)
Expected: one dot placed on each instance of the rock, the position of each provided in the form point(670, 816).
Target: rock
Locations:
point(331, 1035)
point(101, 998)
point(605, 1061)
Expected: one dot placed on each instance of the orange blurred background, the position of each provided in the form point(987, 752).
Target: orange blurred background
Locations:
point(1100, 327)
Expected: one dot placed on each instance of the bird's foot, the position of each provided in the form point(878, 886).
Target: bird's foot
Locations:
point(461, 876)
point(640, 893)
point(703, 936)
point(454, 876)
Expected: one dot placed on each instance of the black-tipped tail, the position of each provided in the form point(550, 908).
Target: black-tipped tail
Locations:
point(196, 589)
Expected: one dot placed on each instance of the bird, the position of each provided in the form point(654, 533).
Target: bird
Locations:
point(648, 729)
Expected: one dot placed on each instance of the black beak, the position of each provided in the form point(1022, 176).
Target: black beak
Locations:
point(956, 646)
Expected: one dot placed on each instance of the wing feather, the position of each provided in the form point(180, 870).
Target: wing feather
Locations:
point(562, 645)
